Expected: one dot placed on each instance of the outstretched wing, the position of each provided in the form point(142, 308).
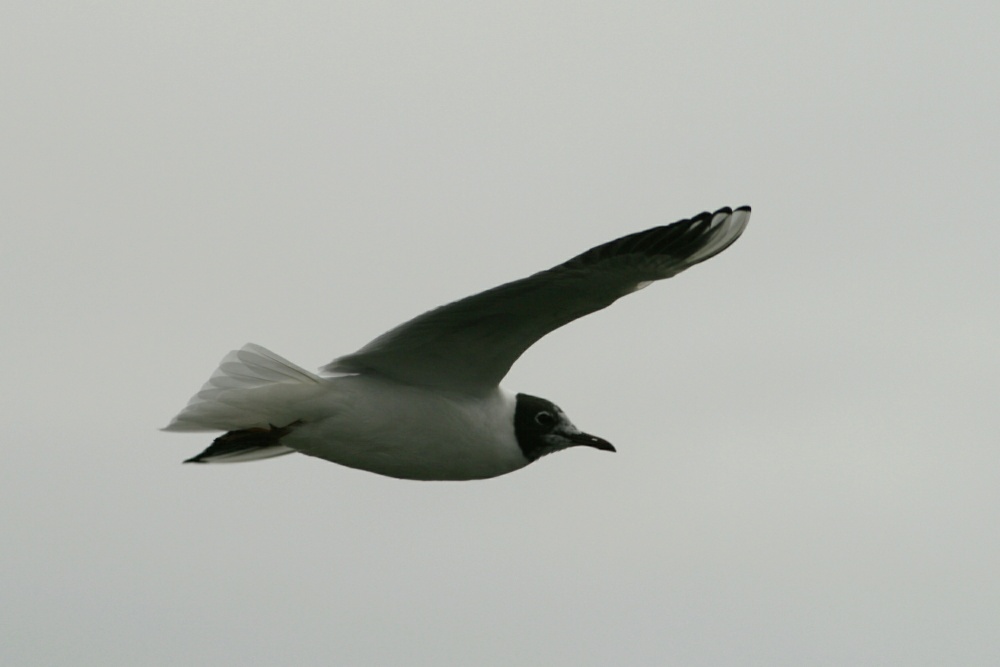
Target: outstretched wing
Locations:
point(469, 345)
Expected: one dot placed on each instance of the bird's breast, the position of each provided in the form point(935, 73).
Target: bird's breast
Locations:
point(410, 432)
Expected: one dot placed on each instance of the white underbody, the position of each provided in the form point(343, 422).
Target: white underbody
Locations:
point(408, 432)
point(363, 421)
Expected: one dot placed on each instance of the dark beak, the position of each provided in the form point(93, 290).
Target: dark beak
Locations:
point(591, 441)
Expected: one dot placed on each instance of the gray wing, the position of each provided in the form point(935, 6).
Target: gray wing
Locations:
point(469, 345)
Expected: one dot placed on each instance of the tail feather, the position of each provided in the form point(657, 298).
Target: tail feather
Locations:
point(253, 388)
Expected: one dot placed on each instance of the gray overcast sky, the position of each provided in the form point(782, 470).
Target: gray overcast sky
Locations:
point(808, 468)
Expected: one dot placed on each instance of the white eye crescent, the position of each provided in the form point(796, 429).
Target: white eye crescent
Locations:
point(545, 419)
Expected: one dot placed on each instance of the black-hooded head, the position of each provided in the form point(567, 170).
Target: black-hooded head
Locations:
point(542, 428)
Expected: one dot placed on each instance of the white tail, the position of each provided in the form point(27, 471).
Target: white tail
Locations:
point(252, 388)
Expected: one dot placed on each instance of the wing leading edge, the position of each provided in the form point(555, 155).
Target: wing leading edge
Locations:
point(470, 344)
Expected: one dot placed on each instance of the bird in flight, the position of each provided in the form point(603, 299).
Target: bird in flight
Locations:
point(423, 401)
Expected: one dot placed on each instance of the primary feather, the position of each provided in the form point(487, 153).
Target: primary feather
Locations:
point(469, 345)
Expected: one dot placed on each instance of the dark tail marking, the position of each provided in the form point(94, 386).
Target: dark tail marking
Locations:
point(248, 444)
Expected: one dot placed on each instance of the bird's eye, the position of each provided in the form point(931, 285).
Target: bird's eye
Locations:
point(545, 419)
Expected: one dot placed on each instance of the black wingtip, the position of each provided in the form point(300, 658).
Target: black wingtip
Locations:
point(744, 208)
point(248, 444)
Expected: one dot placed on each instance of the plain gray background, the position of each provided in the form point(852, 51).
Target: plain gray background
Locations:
point(808, 468)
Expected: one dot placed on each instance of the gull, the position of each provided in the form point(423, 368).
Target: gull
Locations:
point(423, 401)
